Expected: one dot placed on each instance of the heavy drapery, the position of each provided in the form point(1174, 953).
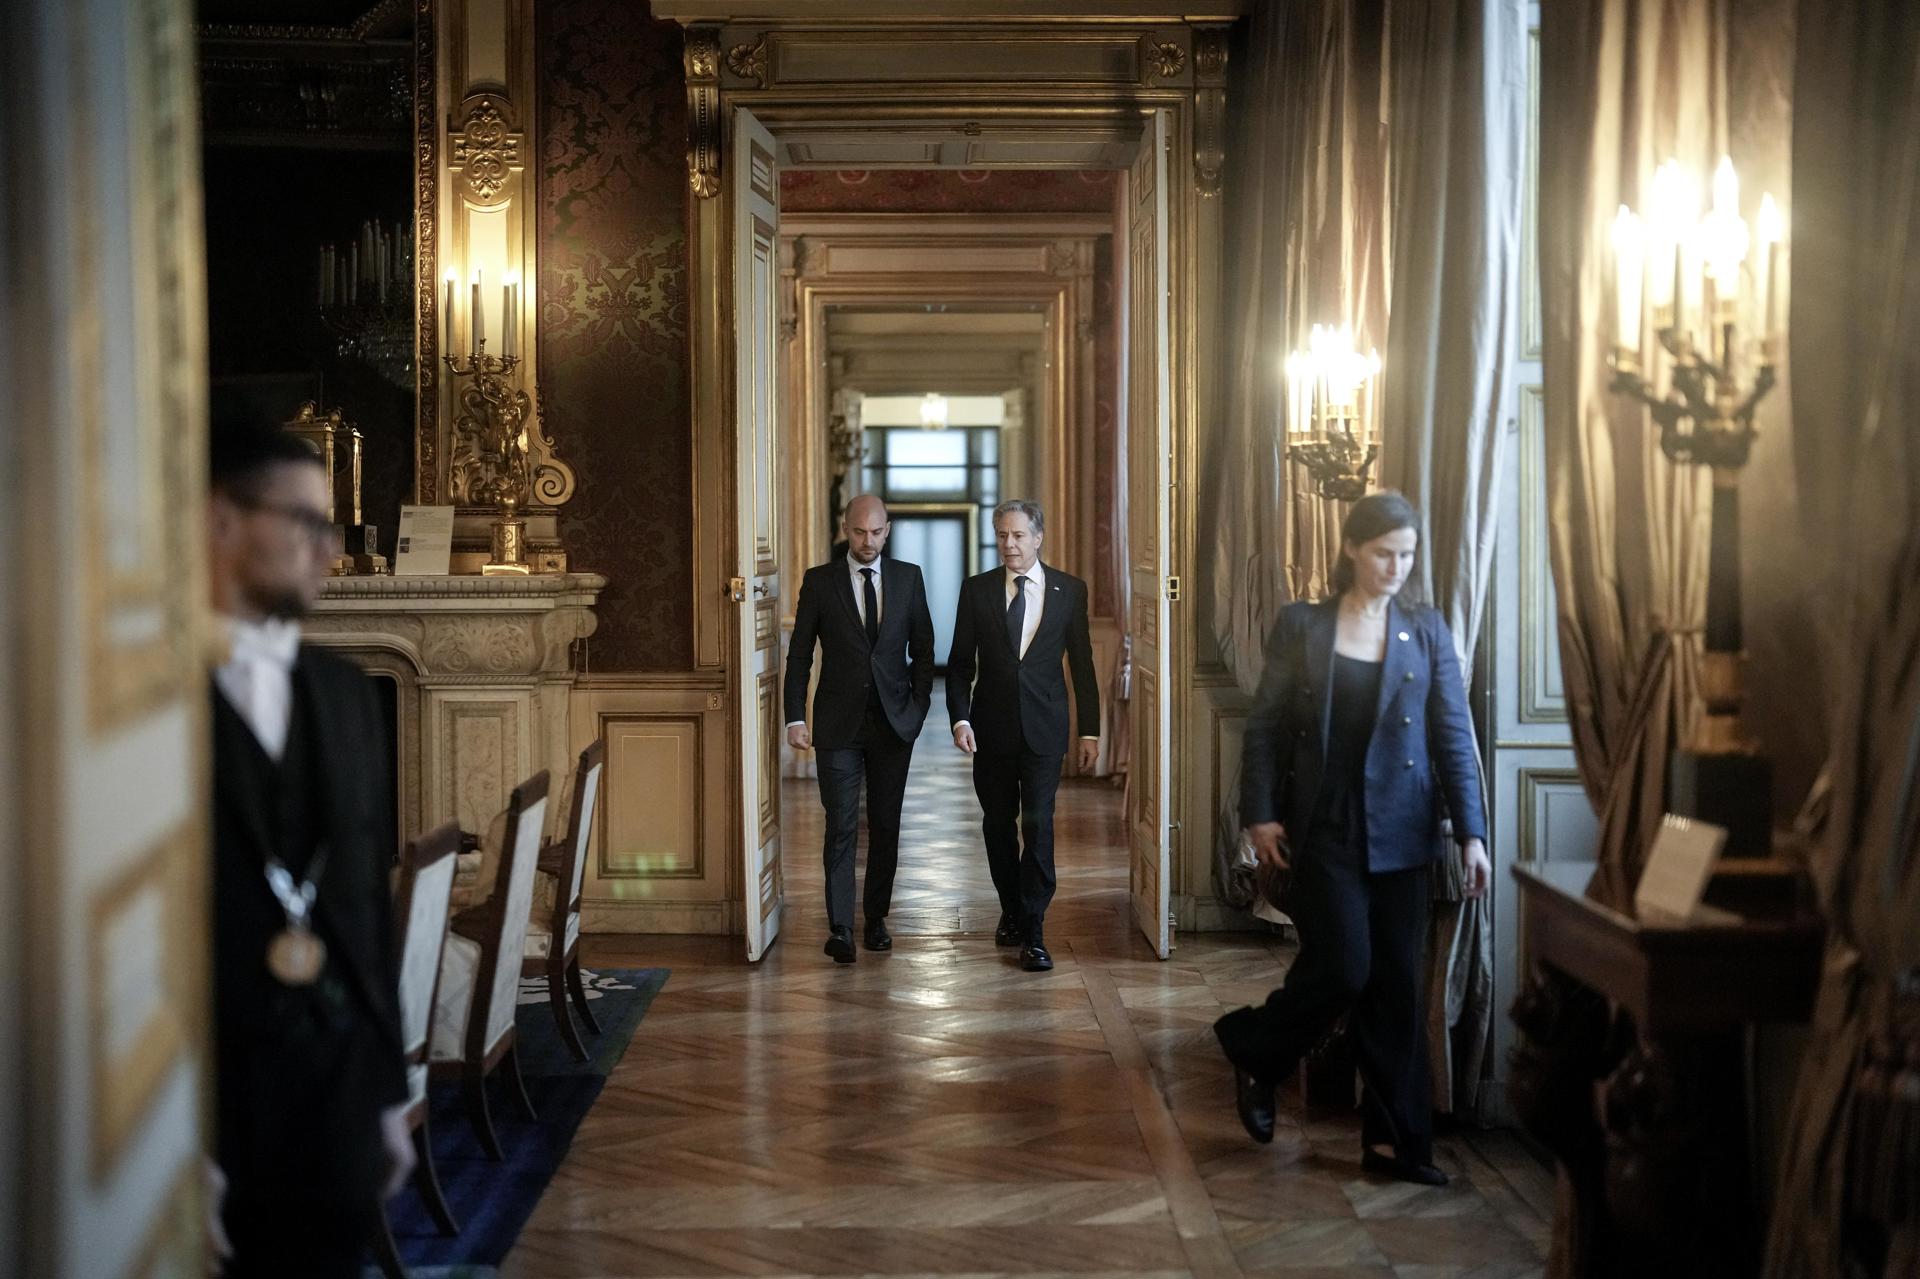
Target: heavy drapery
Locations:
point(1306, 241)
point(1457, 86)
point(1624, 85)
point(1377, 176)
point(1849, 1191)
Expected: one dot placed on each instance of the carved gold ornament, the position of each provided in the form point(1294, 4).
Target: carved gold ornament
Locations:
point(749, 62)
point(1166, 60)
point(703, 111)
point(487, 149)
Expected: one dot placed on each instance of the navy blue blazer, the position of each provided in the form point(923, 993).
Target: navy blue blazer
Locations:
point(1422, 746)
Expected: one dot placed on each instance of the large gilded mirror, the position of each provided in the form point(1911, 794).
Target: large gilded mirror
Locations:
point(310, 114)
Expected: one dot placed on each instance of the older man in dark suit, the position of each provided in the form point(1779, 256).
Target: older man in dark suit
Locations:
point(1007, 698)
point(869, 616)
point(309, 1081)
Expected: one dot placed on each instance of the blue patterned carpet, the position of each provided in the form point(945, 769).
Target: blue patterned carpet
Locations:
point(492, 1201)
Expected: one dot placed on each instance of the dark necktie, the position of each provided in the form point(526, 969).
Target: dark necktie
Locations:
point(1017, 614)
point(872, 601)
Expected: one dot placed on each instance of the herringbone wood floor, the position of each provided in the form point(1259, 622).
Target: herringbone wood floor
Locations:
point(937, 1111)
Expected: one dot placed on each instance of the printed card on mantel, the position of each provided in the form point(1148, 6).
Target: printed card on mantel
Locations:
point(1677, 871)
point(425, 540)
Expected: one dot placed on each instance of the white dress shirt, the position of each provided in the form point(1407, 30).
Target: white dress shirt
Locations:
point(1036, 589)
point(854, 570)
point(257, 678)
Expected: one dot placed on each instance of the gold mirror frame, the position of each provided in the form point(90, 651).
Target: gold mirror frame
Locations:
point(426, 256)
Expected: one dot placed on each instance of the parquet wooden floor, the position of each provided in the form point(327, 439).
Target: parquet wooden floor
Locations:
point(937, 1111)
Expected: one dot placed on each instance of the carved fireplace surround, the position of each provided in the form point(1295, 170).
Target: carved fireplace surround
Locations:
point(484, 675)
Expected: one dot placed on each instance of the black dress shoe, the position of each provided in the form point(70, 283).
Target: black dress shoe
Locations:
point(1035, 959)
point(1254, 1101)
point(1009, 932)
point(1401, 1169)
point(840, 946)
point(1252, 1098)
point(878, 938)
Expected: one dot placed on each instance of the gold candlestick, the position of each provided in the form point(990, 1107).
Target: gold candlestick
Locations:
point(489, 463)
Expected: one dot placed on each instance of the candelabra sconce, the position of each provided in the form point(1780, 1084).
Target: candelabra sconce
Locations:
point(490, 448)
point(1332, 413)
point(1705, 416)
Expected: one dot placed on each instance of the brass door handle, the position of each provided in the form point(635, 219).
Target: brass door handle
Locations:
point(762, 589)
point(737, 590)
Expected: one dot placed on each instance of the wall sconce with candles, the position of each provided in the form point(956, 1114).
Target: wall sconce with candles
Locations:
point(1695, 267)
point(1333, 412)
point(489, 465)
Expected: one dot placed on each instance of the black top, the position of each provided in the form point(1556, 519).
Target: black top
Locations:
point(1356, 696)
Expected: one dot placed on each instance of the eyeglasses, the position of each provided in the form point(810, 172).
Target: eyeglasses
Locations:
point(318, 528)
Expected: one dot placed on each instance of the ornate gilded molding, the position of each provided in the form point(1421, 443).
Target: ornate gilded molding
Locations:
point(383, 16)
point(750, 62)
point(426, 230)
point(1162, 58)
point(486, 147)
point(703, 110)
point(1209, 110)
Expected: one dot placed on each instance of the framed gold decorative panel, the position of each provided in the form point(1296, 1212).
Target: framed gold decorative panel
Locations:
point(137, 394)
point(139, 1008)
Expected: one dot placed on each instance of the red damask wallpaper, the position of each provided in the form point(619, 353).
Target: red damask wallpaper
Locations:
point(1006, 191)
point(948, 191)
point(614, 352)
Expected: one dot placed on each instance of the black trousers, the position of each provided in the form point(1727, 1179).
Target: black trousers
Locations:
point(1016, 793)
point(1363, 939)
point(879, 759)
point(296, 1235)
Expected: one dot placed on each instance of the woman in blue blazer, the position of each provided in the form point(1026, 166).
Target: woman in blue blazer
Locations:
point(1358, 732)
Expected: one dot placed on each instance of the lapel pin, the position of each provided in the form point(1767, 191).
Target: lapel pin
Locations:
point(1403, 636)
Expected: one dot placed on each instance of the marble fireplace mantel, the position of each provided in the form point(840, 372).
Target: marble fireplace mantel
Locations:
point(484, 677)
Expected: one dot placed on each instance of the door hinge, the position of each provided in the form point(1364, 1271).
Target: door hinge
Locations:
point(737, 589)
point(1173, 587)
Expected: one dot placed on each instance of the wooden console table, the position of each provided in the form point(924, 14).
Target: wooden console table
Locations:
point(1632, 1069)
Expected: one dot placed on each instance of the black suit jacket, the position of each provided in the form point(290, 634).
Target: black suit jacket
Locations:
point(900, 666)
point(1422, 748)
point(1016, 703)
point(302, 1074)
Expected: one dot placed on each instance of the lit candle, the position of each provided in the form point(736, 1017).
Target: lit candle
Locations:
point(1772, 229)
point(447, 307)
point(478, 319)
point(1726, 239)
point(506, 319)
point(1629, 265)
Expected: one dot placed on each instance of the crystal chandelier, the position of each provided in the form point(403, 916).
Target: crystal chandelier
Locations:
point(366, 300)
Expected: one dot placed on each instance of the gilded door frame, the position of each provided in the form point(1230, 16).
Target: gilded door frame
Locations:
point(1180, 68)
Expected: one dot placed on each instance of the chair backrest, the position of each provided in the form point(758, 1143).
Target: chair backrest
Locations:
point(421, 910)
point(586, 793)
point(498, 981)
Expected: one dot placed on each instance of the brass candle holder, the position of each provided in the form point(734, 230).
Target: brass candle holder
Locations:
point(1705, 415)
point(490, 450)
point(1331, 413)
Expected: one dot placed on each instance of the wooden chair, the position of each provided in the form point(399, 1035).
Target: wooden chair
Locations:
point(480, 970)
point(553, 944)
point(420, 907)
